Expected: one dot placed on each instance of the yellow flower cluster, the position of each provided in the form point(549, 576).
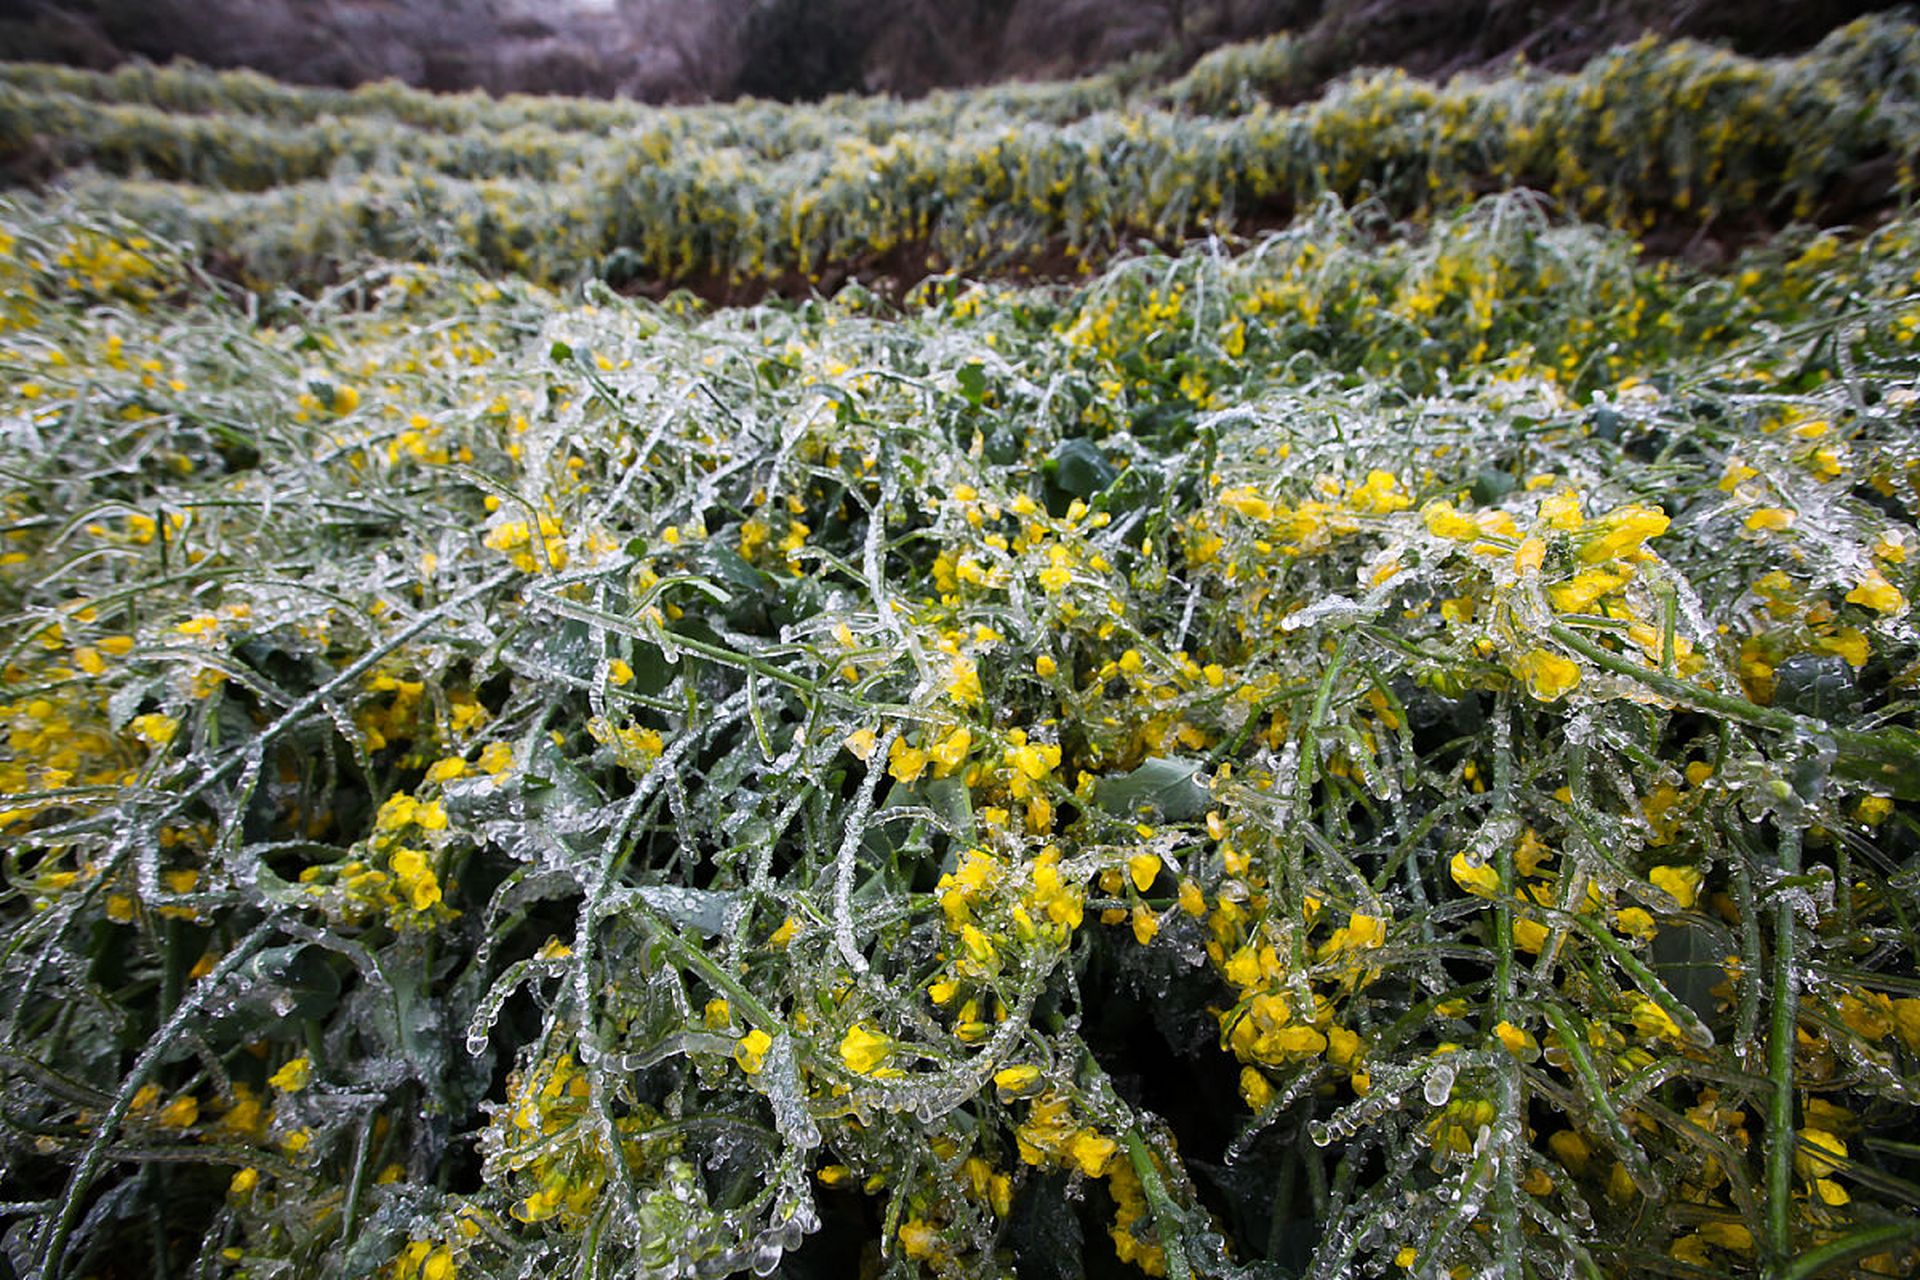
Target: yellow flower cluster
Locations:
point(744, 193)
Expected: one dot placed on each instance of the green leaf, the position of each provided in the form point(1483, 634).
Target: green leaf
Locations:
point(973, 382)
point(291, 982)
point(1169, 790)
point(1078, 468)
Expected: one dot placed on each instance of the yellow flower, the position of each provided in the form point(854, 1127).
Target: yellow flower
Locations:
point(1621, 532)
point(1561, 511)
point(1769, 519)
point(1248, 503)
point(155, 728)
point(1635, 923)
point(1034, 760)
point(1868, 1014)
point(1682, 884)
point(1016, 1081)
point(789, 929)
point(964, 684)
point(1690, 1249)
point(1847, 642)
point(538, 1207)
point(1818, 1153)
point(1822, 1160)
point(751, 1051)
point(1570, 1149)
point(1906, 1022)
point(951, 752)
point(446, 770)
point(1548, 675)
point(1443, 521)
point(1301, 1040)
point(296, 1075)
point(1727, 1235)
point(1142, 868)
point(1518, 1041)
point(919, 1239)
point(181, 1113)
point(1475, 877)
point(1876, 593)
point(1380, 494)
point(1364, 930)
point(1146, 926)
point(864, 1050)
point(1654, 1022)
point(1090, 1152)
point(905, 763)
point(1584, 590)
point(244, 1182)
point(1254, 1088)
point(1343, 1046)
point(1873, 810)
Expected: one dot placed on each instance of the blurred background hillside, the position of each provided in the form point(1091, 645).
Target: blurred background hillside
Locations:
point(690, 50)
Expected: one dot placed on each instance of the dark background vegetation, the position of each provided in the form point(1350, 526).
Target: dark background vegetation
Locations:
point(691, 50)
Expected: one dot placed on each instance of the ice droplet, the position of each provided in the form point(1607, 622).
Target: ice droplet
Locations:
point(804, 1222)
point(1336, 607)
point(787, 1095)
point(1439, 1084)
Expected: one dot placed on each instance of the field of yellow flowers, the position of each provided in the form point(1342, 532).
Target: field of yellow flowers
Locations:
point(1385, 746)
point(286, 183)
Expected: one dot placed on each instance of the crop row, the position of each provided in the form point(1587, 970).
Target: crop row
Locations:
point(754, 194)
point(1360, 754)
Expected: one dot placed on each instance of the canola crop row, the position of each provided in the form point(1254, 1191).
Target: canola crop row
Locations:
point(732, 194)
point(561, 782)
point(1385, 746)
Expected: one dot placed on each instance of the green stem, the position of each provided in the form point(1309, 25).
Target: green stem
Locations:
point(356, 1182)
point(1888, 757)
point(347, 677)
point(1295, 843)
point(1780, 1039)
point(1166, 1215)
point(1649, 983)
point(1168, 1220)
point(59, 1228)
point(1816, 1261)
point(1747, 1005)
point(1506, 1191)
point(1594, 1094)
